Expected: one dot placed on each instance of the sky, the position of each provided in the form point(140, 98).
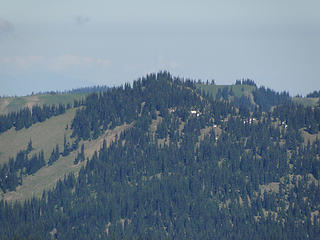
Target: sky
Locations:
point(63, 44)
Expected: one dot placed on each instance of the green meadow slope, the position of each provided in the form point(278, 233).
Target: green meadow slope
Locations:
point(12, 104)
point(306, 101)
point(238, 90)
point(45, 136)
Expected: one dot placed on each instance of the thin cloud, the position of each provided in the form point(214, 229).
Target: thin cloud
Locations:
point(162, 63)
point(103, 62)
point(22, 62)
point(81, 20)
point(5, 26)
point(67, 61)
point(60, 63)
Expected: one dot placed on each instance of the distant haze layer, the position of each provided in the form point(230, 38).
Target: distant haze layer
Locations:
point(61, 45)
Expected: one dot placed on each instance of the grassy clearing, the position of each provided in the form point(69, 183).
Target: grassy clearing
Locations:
point(47, 177)
point(44, 136)
point(307, 137)
point(13, 104)
point(44, 179)
point(50, 99)
point(306, 101)
point(238, 90)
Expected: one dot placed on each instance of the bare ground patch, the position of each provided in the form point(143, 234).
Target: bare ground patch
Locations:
point(307, 137)
point(270, 187)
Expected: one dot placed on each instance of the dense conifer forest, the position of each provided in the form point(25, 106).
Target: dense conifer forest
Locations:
point(25, 117)
point(190, 165)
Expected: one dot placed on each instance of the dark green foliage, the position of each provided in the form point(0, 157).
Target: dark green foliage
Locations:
point(29, 148)
point(81, 157)
point(248, 82)
point(35, 163)
point(266, 98)
point(243, 102)
point(26, 117)
point(11, 173)
point(66, 147)
point(179, 183)
point(54, 155)
point(314, 94)
point(124, 104)
point(298, 116)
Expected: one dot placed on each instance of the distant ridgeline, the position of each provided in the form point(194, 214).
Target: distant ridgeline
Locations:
point(240, 94)
point(26, 116)
point(190, 166)
point(82, 90)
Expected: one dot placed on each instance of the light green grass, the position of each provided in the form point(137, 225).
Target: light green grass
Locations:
point(13, 104)
point(47, 177)
point(307, 137)
point(50, 99)
point(44, 179)
point(44, 135)
point(306, 101)
point(238, 90)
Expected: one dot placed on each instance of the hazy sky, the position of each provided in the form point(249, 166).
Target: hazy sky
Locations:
point(63, 44)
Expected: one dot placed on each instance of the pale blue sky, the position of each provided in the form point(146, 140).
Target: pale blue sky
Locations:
point(63, 44)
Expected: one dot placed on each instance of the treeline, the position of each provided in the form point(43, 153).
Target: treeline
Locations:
point(266, 98)
point(11, 173)
point(88, 90)
point(116, 106)
point(25, 117)
point(248, 82)
point(82, 90)
point(314, 94)
point(224, 93)
point(23, 164)
point(298, 116)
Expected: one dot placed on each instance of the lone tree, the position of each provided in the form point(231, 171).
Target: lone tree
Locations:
point(29, 148)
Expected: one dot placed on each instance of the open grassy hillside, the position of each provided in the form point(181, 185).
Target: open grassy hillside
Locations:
point(44, 136)
point(306, 101)
point(12, 104)
point(44, 179)
point(238, 90)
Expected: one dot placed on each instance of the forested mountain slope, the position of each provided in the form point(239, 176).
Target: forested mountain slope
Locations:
point(181, 163)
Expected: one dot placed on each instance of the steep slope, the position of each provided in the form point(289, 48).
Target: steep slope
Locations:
point(47, 177)
point(44, 136)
